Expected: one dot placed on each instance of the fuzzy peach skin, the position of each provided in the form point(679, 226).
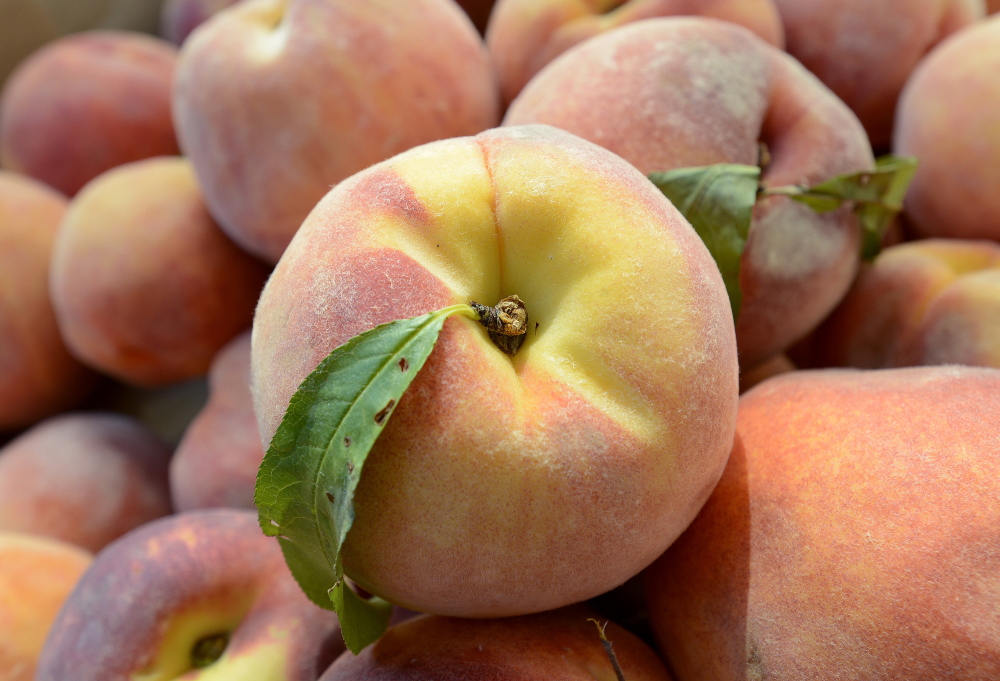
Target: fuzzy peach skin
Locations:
point(934, 301)
point(853, 535)
point(38, 376)
point(525, 35)
point(145, 285)
point(948, 119)
point(216, 462)
point(85, 104)
point(560, 645)
point(501, 485)
point(277, 100)
point(728, 91)
point(149, 598)
point(86, 478)
point(864, 50)
point(36, 575)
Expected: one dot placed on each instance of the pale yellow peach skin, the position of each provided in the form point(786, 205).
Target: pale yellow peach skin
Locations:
point(948, 119)
point(525, 35)
point(216, 462)
point(728, 92)
point(864, 50)
point(36, 575)
point(38, 376)
point(561, 644)
point(853, 536)
point(85, 104)
point(83, 477)
point(933, 301)
point(278, 100)
point(506, 485)
point(198, 596)
point(145, 285)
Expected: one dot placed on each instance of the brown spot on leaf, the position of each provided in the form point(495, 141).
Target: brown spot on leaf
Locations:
point(350, 467)
point(384, 413)
point(403, 365)
point(347, 442)
point(330, 497)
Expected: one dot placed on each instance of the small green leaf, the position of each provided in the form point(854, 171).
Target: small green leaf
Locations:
point(718, 201)
point(306, 482)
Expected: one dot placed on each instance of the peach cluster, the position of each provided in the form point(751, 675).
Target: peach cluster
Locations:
point(623, 478)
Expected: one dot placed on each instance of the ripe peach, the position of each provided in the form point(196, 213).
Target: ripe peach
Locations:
point(85, 478)
point(728, 91)
point(36, 575)
point(85, 104)
point(506, 485)
point(217, 460)
point(525, 35)
point(200, 595)
point(947, 118)
point(277, 100)
point(934, 301)
point(854, 535)
point(38, 376)
point(864, 50)
point(559, 644)
point(145, 285)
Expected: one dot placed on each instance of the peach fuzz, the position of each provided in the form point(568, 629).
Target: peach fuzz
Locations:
point(853, 535)
point(216, 462)
point(934, 301)
point(38, 376)
point(525, 35)
point(163, 601)
point(85, 104)
point(560, 644)
point(145, 285)
point(36, 575)
point(506, 485)
point(729, 91)
point(277, 100)
point(86, 478)
point(948, 119)
point(864, 50)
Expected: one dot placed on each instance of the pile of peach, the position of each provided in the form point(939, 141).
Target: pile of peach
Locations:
point(216, 210)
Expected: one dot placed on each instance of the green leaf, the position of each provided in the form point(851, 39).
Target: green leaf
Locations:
point(718, 201)
point(306, 482)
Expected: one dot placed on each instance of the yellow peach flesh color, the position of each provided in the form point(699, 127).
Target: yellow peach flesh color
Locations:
point(173, 654)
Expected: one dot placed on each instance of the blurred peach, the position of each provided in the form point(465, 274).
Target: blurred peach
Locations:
point(179, 17)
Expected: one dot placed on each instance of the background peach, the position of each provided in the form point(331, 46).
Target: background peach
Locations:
point(38, 376)
point(145, 285)
point(276, 101)
point(179, 17)
point(85, 478)
point(36, 575)
point(728, 92)
point(853, 535)
point(864, 50)
point(217, 460)
point(146, 602)
point(525, 35)
point(948, 119)
point(933, 301)
point(87, 103)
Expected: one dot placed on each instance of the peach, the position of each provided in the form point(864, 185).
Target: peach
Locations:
point(864, 50)
point(277, 100)
point(935, 301)
point(992, 6)
point(36, 575)
point(217, 460)
point(180, 17)
point(561, 644)
point(947, 118)
point(201, 595)
point(86, 478)
point(501, 484)
point(728, 92)
point(145, 285)
point(85, 104)
point(38, 376)
point(777, 365)
point(525, 35)
point(853, 535)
